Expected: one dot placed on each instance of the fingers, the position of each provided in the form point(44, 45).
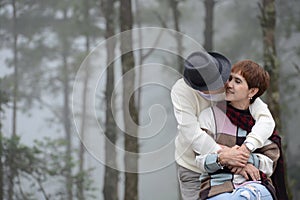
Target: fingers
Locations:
point(235, 163)
point(254, 176)
point(244, 174)
point(236, 170)
point(253, 172)
point(244, 157)
point(241, 159)
point(233, 156)
point(244, 154)
point(239, 170)
point(249, 171)
point(233, 169)
point(223, 148)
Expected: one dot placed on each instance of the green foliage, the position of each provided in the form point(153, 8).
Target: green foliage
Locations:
point(4, 96)
point(84, 178)
point(19, 160)
point(46, 32)
point(40, 165)
point(18, 156)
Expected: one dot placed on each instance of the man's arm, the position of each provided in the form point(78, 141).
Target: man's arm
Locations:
point(264, 124)
point(214, 161)
point(264, 159)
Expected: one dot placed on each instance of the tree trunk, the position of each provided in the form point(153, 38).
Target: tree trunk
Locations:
point(66, 116)
point(271, 63)
point(131, 140)
point(15, 62)
point(268, 23)
point(140, 51)
point(3, 101)
point(110, 189)
point(1, 152)
point(86, 6)
point(12, 172)
point(176, 16)
point(67, 128)
point(209, 21)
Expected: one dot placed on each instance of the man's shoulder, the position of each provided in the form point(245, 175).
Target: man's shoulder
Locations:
point(179, 82)
point(181, 92)
point(180, 85)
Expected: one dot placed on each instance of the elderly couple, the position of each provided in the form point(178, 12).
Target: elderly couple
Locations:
point(226, 146)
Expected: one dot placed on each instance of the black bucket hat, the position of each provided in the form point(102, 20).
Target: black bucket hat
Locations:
point(206, 71)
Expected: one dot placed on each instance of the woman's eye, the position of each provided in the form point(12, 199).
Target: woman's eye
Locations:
point(238, 81)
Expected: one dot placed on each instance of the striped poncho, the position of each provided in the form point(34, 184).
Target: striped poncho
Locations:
point(231, 127)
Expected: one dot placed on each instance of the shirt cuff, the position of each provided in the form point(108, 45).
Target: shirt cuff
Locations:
point(211, 163)
point(253, 159)
point(255, 142)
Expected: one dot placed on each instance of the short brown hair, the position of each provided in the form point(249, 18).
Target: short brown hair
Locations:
point(254, 74)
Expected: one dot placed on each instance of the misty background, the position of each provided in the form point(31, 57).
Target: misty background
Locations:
point(62, 73)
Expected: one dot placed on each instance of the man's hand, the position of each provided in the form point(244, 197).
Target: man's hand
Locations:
point(234, 156)
point(245, 149)
point(248, 170)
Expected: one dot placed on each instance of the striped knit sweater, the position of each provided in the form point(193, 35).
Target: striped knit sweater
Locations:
point(230, 128)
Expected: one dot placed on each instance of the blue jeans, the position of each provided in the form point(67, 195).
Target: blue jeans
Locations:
point(251, 191)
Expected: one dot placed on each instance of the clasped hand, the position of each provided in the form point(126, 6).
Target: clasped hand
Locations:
point(236, 158)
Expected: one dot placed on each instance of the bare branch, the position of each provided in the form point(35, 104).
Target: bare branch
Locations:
point(297, 67)
point(162, 21)
point(20, 187)
point(42, 189)
point(50, 107)
point(154, 45)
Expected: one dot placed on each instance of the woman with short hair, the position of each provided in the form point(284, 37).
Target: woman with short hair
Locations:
point(229, 123)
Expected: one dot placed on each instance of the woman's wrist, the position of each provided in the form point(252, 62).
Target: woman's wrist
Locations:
point(220, 162)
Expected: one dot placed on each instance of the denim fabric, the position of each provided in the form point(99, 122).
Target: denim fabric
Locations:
point(252, 191)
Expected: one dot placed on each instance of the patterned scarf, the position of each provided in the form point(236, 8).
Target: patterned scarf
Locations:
point(240, 118)
point(244, 120)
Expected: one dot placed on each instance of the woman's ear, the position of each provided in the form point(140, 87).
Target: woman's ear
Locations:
point(253, 92)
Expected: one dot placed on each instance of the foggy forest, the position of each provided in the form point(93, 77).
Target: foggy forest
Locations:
point(85, 107)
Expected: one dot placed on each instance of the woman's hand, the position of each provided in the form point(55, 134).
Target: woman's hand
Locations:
point(236, 170)
point(248, 170)
point(233, 157)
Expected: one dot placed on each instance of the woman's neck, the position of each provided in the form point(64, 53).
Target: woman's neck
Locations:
point(240, 105)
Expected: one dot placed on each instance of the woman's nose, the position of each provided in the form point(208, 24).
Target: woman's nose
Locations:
point(228, 83)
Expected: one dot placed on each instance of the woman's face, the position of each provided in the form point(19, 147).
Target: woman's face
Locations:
point(237, 90)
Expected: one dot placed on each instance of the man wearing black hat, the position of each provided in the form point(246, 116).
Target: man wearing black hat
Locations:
point(205, 74)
